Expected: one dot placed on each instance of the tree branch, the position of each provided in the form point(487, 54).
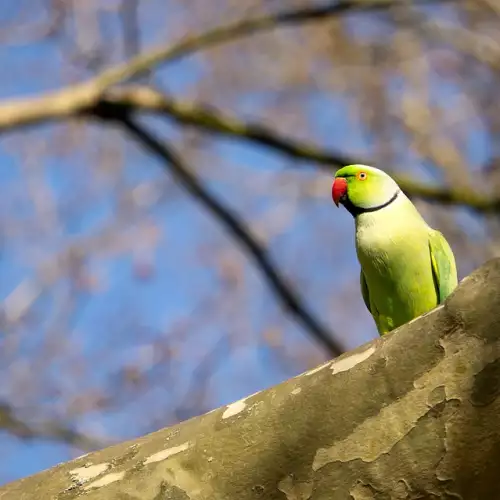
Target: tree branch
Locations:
point(87, 98)
point(70, 101)
point(86, 101)
point(49, 429)
point(238, 228)
point(120, 100)
point(412, 415)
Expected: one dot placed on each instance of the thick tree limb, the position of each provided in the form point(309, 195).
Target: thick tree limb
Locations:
point(413, 415)
point(238, 228)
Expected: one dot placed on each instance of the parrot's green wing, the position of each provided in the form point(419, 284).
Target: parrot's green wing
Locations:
point(443, 265)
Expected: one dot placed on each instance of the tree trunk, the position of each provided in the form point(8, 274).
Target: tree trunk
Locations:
point(412, 415)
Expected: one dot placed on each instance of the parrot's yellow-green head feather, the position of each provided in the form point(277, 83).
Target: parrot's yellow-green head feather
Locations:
point(361, 189)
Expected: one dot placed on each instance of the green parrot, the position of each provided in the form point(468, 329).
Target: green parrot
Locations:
point(407, 268)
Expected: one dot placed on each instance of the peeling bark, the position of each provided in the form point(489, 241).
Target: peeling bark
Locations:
point(411, 416)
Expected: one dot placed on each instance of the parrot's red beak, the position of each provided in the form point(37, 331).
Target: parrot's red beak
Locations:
point(339, 190)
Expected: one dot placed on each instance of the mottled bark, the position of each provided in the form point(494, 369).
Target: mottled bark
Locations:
point(413, 415)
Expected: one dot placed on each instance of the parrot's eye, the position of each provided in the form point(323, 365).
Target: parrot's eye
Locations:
point(362, 176)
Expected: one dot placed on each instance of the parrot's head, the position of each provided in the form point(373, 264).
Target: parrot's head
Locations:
point(361, 188)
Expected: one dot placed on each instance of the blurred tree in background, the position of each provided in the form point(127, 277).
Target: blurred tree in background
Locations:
point(168, 240)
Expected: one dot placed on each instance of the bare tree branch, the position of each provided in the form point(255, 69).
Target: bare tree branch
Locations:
point(70, 101)
point(90, 101)
point(237, 227)
point(210, 119)
point(51, 430)
point(87, 97)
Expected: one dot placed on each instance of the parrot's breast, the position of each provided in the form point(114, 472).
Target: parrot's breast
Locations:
point(393, 250)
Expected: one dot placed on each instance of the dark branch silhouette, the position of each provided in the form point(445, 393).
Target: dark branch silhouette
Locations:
point(50, 430)
point(236, 226)
point(210, 119)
